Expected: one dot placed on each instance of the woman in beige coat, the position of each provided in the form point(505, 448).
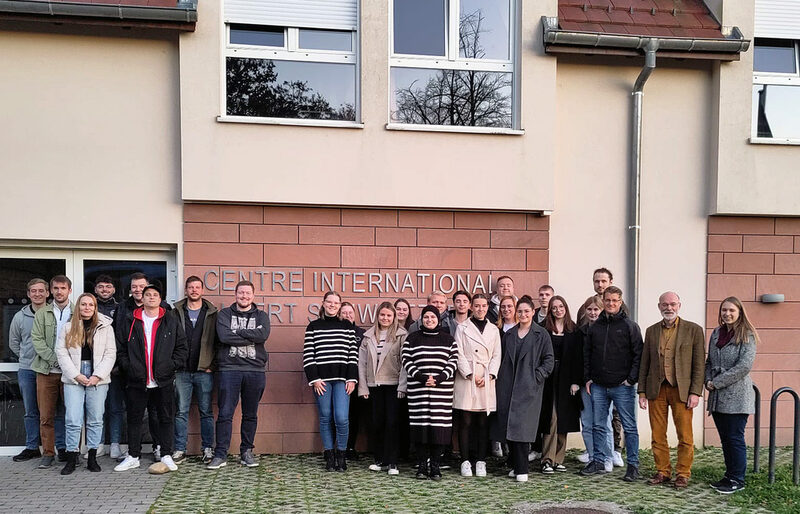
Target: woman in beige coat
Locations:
point(382, 379)
point(474, 396)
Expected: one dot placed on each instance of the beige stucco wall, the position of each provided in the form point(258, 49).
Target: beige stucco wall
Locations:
point(589, 224)
point(93, 130)
point(291, 164)
point(748, 178)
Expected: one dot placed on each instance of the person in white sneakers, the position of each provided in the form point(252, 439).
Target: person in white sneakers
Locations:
point(151, 352)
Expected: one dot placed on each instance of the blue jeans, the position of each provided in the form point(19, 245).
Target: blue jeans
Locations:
point(91, 401)
point(587, 426)
point(115, 408)
point(731, 434)
point(334, 409)
point(250, 386)
point(27, 387)
point(624, 399)
point(202, 384)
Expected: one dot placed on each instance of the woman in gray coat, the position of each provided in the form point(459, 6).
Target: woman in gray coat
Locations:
point(527, 361)
point(731, 352)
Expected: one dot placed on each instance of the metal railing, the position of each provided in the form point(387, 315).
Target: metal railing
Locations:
point(757, 433)
point(772, 418)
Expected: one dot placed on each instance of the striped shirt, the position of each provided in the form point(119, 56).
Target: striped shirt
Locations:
point(330, 350)
point(427, 354)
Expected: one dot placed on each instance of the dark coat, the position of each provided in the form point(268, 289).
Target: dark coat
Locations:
point(556, 388)
point(612, 351)
point(169, 353)
point(520, 384)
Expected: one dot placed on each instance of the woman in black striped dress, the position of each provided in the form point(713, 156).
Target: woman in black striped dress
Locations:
point(430, 357)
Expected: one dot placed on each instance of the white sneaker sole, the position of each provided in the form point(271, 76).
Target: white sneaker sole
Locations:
point(128, 468)
point(217, 467)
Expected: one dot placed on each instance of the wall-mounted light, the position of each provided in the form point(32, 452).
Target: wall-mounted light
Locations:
point(772, 298)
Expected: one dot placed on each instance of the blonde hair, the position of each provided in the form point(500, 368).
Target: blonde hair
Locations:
point(500, 320)
point(76, 335)
point(391, 331)
point(742, 328)
point(592, 300)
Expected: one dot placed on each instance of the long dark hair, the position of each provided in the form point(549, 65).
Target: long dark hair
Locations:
point(550, 319)
point(409, 320)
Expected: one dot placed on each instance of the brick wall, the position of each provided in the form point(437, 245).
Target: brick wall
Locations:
point(271, 245)
point(749, 257)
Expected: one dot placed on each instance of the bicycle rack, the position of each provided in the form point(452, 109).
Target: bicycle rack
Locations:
point(796, 450)
point(757, 433)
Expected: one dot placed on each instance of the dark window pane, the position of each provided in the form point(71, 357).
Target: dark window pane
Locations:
point(451, 97)
point(12, 411)
point(291, 89)
point(256, 35)
point(121, 271)
point(419, 27)
point(774, 56)
point(484, 29)
point(778, 110)
point(313, 39)
point(14, 277)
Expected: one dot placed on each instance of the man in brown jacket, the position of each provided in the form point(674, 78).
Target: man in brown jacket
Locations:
point(671, 377)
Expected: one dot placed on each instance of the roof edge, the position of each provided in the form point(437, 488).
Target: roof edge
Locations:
point(552, 35)
point(183, 12)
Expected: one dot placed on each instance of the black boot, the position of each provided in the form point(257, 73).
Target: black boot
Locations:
point(436, 474)
point(422, 469)
point(330, 460)
point(341, 460)
point(61, 454)
point(72, 461)
point(91, 463)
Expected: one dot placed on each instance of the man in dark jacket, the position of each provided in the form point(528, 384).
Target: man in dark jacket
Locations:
point(242, 330)
point(198, 317)
point(104, 291)
point(611, 357)
point(153, 350)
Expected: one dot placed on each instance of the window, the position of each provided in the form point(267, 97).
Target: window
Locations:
point(452, 63)
point(776, 89)
point(291, 60)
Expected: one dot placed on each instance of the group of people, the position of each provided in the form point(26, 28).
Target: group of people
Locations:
point(507, 371)
point(78, 362)
point(503, 370)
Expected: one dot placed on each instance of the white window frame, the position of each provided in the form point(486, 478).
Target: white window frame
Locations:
point(291, 52)
point(778, 79)
point(452, 61)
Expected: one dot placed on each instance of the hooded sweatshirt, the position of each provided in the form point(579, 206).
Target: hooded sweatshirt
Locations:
point(19, 337)
point(242, 336)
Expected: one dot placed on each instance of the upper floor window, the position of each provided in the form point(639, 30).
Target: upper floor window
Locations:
point(293, 59)
point(776, 89)
point(452, 63)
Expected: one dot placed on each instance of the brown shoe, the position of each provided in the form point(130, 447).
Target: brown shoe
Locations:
point(659, 478)
point(681, 482)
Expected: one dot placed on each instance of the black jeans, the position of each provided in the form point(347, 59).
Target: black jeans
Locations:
point(160, 400)
point(359, 418)
point(473, 435)
point(518, 457)
point(731, 434)
point(385, 416)
point(432, 451)
point(250, 386)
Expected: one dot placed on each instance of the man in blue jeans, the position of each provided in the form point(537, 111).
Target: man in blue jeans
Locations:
point(242, 330)
point(19, 341)
point(198, 317)
point(611, 357)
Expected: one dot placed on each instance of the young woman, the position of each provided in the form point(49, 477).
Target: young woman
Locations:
point(475, 398)
point(330, 361)
point(731, 352)
point(561, 407)
point(382, 380)
point(508, 314)
point(591, 310)
point(359, 408)
point(430, 359)
point(86, 352)
point(403, 309)
point(527, 361)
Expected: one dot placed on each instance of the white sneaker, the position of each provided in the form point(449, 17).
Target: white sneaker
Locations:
point(167, 460)
point(208, 454)
point(522, 478)
point(584, 458)
point(128, 463)
point(375, 467)
point(101, 450)
point(466, 469)
point(393, 470)
point(532, 456)
point(480, 469)
point(116, 451)
point(511, 474)
point(497, 449)
point(617, 458)
point(157, 453)
point(609, 465)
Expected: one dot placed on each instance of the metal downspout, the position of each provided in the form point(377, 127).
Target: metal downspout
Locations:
point(634, 226)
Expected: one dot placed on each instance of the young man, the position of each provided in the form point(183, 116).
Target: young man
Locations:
point(671, 377)
point(545, 293)
point(198, 317)
point(104, 291)
point(439, 300)
point(611, 356)
point(150, 354)
point(20, 343)
point(503, 287)
point(47, 324)
point(242, 330)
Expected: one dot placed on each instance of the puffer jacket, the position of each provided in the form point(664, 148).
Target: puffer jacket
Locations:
point(169, 350)
point(104, 353)
point(612, 351)
point(728, 369)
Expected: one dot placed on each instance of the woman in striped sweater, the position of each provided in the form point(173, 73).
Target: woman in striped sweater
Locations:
point(330, 360)
point(430, 357)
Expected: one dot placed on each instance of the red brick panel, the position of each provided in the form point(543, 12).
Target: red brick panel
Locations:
point(223, 213)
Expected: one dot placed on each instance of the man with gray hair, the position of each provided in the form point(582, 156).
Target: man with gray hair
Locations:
point(671, 377)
